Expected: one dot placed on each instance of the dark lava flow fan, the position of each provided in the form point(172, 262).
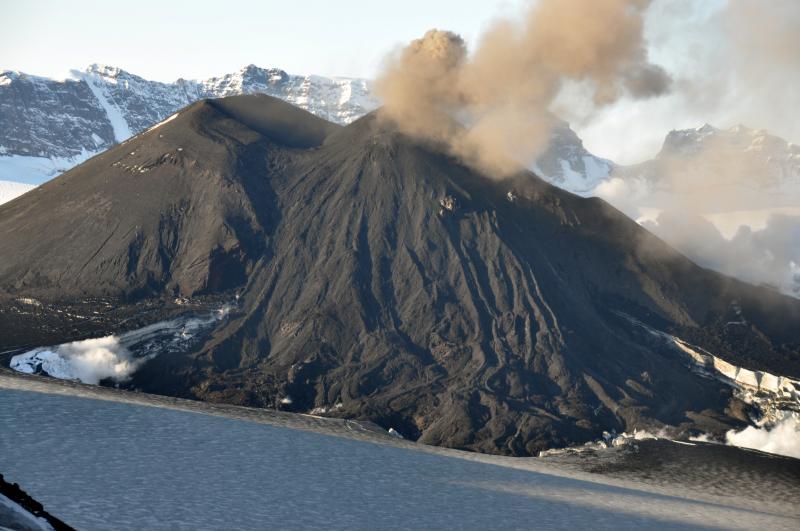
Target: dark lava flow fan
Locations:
point(376, 277)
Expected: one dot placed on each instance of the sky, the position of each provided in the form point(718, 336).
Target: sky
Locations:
point(164, 40)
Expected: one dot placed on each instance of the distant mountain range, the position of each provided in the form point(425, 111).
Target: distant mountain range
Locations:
point(720, 180)
point(48, 126)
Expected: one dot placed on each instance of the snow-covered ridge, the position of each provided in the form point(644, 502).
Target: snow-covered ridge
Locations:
point(48, 126)
point(103, 105)
point(567, 164)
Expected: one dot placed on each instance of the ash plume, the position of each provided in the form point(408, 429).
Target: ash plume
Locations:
point(493, 106)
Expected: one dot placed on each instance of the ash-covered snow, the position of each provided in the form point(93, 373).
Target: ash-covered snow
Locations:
point(776, 425)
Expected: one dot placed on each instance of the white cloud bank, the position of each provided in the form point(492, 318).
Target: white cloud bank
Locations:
point(89, 361)
point(733, 61)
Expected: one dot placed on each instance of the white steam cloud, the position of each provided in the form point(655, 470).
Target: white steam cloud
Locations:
point(115, 357)
point(783, 438)
point(89, 361)
point(728, 199)
point(768, 256)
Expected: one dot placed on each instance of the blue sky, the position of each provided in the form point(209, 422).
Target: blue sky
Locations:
point(164, 40)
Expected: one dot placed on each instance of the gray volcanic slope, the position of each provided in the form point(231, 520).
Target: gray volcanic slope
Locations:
point(492, 323)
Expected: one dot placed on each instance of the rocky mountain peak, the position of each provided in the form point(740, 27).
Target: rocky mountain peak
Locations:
point(103, 70)
point(738, 137)
point(255, 74)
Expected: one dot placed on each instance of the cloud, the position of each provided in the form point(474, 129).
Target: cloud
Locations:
point(88, 361)
point(781, 439)
point(768, 256)
point(732, 61)
point(728, 199)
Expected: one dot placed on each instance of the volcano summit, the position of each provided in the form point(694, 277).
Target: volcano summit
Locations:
point(377, 277)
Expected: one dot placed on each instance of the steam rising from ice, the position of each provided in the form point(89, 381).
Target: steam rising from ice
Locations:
point(781, 439)
point(115, 357)
point(89, 361)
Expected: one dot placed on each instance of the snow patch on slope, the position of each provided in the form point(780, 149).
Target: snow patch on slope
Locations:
point(118, 123)
point(38, 170)
point(162, 122)
point(9, 190)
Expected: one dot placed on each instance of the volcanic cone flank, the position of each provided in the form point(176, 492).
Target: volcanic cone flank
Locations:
point(379, 278)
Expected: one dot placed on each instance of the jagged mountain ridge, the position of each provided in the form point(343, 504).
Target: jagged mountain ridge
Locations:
point(738, 156)
point(569, 165)
point(378, 278)
point(48, 126)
